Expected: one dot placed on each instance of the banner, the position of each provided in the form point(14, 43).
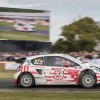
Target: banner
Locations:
point(11, 66)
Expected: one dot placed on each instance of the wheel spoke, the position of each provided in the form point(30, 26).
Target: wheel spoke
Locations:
point(26, 80)
point(88, 80)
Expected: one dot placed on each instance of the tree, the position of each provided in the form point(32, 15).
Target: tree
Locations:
point(80, 35)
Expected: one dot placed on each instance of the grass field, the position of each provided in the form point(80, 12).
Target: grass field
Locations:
point(15, 95)
point(14, 35)
point(7, 74)
point(42, 27)
point(5, 24)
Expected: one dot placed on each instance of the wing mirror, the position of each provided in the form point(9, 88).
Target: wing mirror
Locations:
point(66, 65)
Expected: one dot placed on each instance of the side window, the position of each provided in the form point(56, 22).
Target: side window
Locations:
point(58, 61)
point(70, 63)
point(50, 61)
point(38, 61)
point(54, 61)
point(20, 24)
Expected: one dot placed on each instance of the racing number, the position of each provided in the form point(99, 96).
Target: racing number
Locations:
point(37, 61)
point(59, 74)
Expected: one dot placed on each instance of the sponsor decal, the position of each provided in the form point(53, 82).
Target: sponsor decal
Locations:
point(59, 74)
point(26, 68)
point(38, 61)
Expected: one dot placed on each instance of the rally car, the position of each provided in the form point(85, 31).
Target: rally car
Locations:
point(56, 69)
point(22, 26)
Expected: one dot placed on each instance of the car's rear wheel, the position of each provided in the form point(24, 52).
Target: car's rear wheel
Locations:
point(25, 29)
point(26, 80)
point(88, 80)
point(14, 29)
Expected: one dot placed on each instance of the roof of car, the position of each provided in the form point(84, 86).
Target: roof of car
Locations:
point(31, 57)
point(63, 55)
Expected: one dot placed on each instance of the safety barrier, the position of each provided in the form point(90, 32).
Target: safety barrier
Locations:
point(8, 65)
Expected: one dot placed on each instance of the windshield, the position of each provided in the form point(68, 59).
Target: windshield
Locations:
point(73, 59)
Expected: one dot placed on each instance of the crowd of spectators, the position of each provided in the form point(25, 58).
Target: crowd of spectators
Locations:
point(82, 55)
point(11, 56)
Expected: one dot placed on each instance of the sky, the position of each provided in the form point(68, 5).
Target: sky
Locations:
point(62, 12)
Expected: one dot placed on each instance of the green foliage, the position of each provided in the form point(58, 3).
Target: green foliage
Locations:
point(4, 9)
point(64, 46)
point(58, 47)
point(88, 34)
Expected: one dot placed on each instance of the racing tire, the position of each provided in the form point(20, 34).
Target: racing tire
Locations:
point(88, 80)
point(13, 29)
point(25, 29)
point(26, 80)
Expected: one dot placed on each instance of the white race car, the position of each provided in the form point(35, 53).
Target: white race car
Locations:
point(22, 26)
point(56, 69)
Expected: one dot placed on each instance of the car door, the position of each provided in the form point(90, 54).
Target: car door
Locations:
point(56, 71)
point(37, 67)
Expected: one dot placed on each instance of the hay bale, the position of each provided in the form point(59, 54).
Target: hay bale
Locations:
point(2, 66)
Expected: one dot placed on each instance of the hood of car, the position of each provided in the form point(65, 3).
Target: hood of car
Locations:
point(94, 67)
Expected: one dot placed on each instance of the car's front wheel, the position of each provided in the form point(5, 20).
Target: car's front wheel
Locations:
point(26, 80)
point(88, 80)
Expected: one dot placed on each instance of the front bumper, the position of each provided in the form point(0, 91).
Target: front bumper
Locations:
point(98, 77)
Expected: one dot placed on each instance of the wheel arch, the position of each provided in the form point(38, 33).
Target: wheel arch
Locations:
point(24, 73)
point(86, 71)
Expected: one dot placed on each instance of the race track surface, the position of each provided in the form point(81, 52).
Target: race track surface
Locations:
point(7, 28)
point(8, 85)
